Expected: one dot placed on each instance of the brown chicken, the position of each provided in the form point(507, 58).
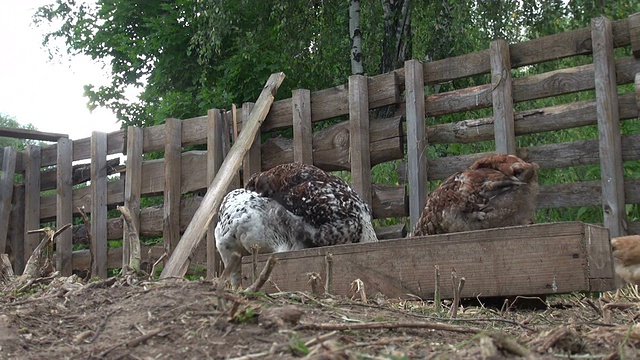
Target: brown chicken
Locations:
point(626, 258)
point(495, 191)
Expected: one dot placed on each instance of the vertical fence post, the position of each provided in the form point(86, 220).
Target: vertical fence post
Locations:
point(133, 186)
point(99, 203)
point(302, 128)
point(6, 193)
point(229, 133)
point(501, 86)
point(64, 205)
point(359, 152)
point(416, 138)
point(252, 162)
point(172, 184)
point(215, 155)
point(32, 161)
point(608, 127)
point(16, 230)
point(634, 32)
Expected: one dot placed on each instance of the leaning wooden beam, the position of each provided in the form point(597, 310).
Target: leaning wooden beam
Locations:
point(177, 263)
point(608, 127)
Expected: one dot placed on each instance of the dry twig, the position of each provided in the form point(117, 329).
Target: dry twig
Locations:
point(314, 280)
point(388, 325)
point(436, 293)
point(264, 275)
point(328, 286)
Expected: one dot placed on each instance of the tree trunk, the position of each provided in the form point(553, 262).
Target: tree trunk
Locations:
point(356, 38)
point(396, 43)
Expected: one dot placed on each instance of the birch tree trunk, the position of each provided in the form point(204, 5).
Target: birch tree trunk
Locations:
point(396, 42)
point(356, 38)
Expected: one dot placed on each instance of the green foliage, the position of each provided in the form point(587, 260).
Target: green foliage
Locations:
point(245, 315)
point(11, 122)
point(297, 346)
point(187, 56)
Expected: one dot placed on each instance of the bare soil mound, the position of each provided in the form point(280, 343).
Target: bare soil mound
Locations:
point(121, 318)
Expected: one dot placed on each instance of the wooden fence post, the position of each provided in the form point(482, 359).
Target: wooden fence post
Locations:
point(216, 132)
point(416, 138)
point(99, 203)
point(634, 34)
point(132, 187)
point(32, 162)
point(359, 152)
point(501, 86)
point(64, 205)
point(6, 193)
point(16, 230)
point(302, 127)
point(172, 184)
point(606, 89)
point(252, 161)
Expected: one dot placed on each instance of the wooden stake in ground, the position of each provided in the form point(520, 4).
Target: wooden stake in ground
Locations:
point(134, 240)
point(36, 263)
point(177, 263)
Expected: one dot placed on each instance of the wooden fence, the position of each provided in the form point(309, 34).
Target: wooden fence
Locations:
point(355, 145)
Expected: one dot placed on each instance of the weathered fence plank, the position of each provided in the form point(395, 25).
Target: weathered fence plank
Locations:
point(417, 141)
point(359, 151)
point(552, 118)
point(6, 193)
point(215, 156)
point(550, 258)
point(16, 230)
point(548, 84)
point(132, 187)
point(64, 206)
point(32, 164)
point(80, 174)
point(331, 145)
point(550, 156)
point(177, 264)
point(30, 134)
point(252, 163)
point(634, 34)
point(99, 203)
point(82, 148)
point(302, 127)
point(172, 184)
point(501, 84)
point(608, 127)
point(333, 102)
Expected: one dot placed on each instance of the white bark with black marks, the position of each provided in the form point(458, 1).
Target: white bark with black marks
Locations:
point(356, 38)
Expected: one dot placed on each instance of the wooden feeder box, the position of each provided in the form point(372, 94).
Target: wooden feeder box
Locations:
point(539, 259)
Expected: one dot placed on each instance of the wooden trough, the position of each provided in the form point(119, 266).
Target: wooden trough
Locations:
point(540, 259)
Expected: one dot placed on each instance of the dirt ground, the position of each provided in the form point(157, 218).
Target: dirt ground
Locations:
point(123, 318)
